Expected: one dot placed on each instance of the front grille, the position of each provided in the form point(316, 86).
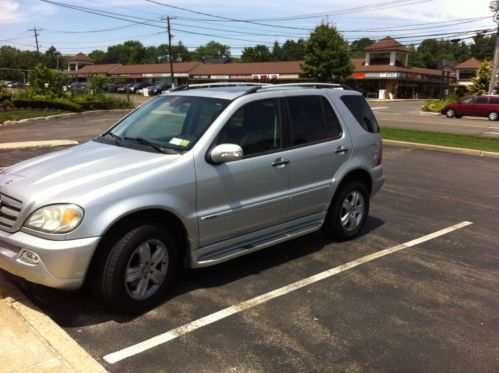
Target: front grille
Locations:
point(10, 208)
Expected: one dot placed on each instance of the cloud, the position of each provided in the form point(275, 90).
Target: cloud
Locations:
point(19, 12)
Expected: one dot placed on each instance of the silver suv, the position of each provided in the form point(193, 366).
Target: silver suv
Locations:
point(194, 177)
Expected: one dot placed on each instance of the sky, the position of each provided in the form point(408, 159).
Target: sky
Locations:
point(237, 23)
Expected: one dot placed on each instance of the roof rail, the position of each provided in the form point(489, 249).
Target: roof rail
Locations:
point(311, 85)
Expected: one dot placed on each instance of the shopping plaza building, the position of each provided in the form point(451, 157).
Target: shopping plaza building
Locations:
point(383, 73)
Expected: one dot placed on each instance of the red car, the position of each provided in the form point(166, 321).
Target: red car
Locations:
point(474, 106)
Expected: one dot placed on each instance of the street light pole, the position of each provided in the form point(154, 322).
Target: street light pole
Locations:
point(494, 7)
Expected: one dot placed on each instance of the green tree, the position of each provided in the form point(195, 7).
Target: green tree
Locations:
point(276, 52)
point(212, 51)
point(357, 47)
point(431, 51)
point(46, 82)
point(97, 83)
point(293, 50)
point(480, 83)
point(128, 53)
point(98, 56)
point(327, 57)
point(483, 47)
point(259, 53)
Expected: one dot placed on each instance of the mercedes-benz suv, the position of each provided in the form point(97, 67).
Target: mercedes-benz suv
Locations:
point(194, 177)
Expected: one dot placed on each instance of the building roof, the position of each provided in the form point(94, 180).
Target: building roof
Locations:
point(180, 67)
point(284, 67)
point(95, 69)
point(360, 67)
point(387, 44)
point(472, 63)
point(80, 57)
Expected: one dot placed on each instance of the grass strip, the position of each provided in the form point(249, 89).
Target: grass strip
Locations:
point(488, 144)
point(25, 114)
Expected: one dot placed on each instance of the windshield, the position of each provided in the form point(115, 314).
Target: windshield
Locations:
point(174, 122)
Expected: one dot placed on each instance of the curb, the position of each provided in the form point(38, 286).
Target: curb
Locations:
point(27, 120)
point(67, 349)
point(36, 144)
point(446, 149)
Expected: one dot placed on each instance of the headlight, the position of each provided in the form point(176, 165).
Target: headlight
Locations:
point(55, 218)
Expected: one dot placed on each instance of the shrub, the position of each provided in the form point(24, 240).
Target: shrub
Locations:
point(59, 104)
point(436, 105)
point(7, 105)
point(48, 82)
point(98, 102)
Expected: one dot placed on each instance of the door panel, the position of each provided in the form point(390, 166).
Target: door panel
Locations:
point(240, 197)
point(243, 196)
point(311, 175)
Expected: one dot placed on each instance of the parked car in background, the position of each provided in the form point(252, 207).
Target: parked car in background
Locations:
point(121, 88)
point(473, 106)
point(110, 88)
point(79, 87)
point(158, 88)
point(136, 86)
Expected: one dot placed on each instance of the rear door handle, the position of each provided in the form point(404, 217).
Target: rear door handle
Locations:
point(341, 150)
point(280, 162)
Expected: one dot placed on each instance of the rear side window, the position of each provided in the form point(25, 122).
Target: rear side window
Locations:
point(482, 100)
point(359, 108)
point(312, 119)
point(494, 100)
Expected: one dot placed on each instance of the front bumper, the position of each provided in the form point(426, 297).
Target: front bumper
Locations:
point(62, 264)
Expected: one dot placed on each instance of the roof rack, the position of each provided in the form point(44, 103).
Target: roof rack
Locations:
point(310, 85)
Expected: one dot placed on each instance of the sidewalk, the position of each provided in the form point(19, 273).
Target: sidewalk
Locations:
point(31, 342)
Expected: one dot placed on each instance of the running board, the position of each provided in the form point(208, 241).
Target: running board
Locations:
point(245, 248)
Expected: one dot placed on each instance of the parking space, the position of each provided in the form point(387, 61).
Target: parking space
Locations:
point(429, 307)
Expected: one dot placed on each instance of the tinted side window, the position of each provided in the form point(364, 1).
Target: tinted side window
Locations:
point(494, 100)
point(333, 127)
point(307, 121)
point(256, 127)
point(359, 108)
point(482, 100)
point(468, 100)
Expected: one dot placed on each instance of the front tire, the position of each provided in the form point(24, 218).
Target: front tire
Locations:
point(138, 269)
point(348, 212)
point(450, 113)
point(493, 115)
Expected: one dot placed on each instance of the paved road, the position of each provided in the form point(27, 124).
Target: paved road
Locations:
point(407, 114)
point(431, 307)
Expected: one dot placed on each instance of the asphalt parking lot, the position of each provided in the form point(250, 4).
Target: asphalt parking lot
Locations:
point(431, 306)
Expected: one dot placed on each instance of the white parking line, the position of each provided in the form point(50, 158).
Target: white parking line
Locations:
point(222, 314)
point(379, 107)
point(492, 133)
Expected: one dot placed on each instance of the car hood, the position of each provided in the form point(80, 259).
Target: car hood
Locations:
point(79, 170)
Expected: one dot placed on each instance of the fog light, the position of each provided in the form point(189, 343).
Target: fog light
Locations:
point(29, 257)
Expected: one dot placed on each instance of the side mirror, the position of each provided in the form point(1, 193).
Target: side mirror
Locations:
point(226, 153)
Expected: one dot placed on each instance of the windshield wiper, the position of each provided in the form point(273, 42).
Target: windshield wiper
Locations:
point(118, 140)
point(158, 147)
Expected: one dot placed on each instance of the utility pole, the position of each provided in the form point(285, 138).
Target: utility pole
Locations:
point(170, 55)
point(494, 7)
point(37, 33)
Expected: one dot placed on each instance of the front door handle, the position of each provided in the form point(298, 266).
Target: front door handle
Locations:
point(280, 162)
point(341, 150)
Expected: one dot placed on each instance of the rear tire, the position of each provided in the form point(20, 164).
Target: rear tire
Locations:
point(493, 115)
point(450, 113)
point(348, 212)
point(138, 269)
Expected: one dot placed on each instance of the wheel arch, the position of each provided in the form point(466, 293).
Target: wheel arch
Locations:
point(125, 223)
point(356, 175)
